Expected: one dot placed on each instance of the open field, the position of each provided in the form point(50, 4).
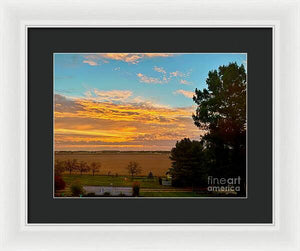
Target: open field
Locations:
point(115, 162)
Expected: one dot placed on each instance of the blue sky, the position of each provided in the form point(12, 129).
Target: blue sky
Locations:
point(75, 74)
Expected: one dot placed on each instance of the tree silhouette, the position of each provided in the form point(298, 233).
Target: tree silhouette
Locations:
point(188, 164)
point(133, 168)
point(83, 167)
point(223, 105)
point(221, 112)
point(95, 167)
point(150, 175)
point(60, 167)
point(71, 165)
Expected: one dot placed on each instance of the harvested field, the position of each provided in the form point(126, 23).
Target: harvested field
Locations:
point(115, 162)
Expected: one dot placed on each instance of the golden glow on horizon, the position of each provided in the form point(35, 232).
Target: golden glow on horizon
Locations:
point(87, 123)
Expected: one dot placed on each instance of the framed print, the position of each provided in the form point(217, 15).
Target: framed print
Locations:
point(175, 127)
point(123, 122)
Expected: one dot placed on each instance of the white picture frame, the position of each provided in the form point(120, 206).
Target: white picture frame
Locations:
point(282, 16)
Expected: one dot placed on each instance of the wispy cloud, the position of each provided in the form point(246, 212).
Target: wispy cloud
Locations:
point(132, 58)
point(164, 55)
point(185, 82)
point(176, 74)
point(160, 69)
point(185, 93)
point(165, 77)
point(180, 74)
point(151, 80)
point(90, 62)
point(107, 96)
point(125, 57)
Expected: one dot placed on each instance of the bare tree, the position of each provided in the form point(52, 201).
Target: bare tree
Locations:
point(60, 167)
point(133, 168)
point(71, 165)
point(95, 167)
point(83, 167)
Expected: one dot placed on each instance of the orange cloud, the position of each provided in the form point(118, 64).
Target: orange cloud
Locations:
point(126, 57)
point(90, 62)
point(164, 55)
point(150, 80)
point(133, 58)
point(187, 94)
point(119, 120)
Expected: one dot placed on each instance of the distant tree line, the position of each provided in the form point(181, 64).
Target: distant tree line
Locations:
point(76, 166)
point(73, 165)
point(221, 116)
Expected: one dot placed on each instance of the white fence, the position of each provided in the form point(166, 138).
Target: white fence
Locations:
point(114, 191)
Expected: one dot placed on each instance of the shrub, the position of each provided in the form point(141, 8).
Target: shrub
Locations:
point(150, 175)
point(59, 183)
point(160, 180)
point(106, 194)
point(136, 189)
point(77, 189)
point(60, 167)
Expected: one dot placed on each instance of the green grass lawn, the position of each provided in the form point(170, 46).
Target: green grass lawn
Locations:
point(126, 181)
point(104, 180)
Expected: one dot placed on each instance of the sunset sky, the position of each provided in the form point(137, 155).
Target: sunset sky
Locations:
point(120, 101)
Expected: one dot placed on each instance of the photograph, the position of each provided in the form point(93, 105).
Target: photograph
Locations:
point(149, 125)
